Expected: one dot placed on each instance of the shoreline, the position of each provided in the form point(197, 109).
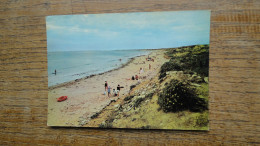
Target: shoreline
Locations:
point(92, 75)
point(86, 95)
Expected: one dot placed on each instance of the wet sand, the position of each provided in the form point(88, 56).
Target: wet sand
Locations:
point(86, 96)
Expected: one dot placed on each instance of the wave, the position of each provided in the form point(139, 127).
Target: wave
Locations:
point(70, 66)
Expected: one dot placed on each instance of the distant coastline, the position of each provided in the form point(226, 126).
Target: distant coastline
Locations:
point(71, 66)
point(92, 75)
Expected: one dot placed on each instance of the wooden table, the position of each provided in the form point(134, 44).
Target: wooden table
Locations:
point(234, 74)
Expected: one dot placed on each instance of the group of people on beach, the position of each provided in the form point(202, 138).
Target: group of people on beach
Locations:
point(141, 71)
point(136, 77)
point(109, 91)
point(115, 92)
point(149, 59)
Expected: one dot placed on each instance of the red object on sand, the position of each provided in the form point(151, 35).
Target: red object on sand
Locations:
point(62, 98)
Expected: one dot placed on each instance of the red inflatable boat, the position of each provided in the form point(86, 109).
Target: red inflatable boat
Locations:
point(62, 98)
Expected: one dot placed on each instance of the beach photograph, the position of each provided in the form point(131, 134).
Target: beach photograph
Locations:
point(141, 70)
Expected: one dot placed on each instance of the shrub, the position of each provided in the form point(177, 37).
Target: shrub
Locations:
point(146, 127)
point(128, 98)
point(138, 102)
point(94, 116)
point(178, 96)
point(169, 66)
point(149, 95)
point(132, 87)
point(105, 125)
point(162, 75)
point(108, 123)
point(202, 120)
point(192, 58)
point(199, 59)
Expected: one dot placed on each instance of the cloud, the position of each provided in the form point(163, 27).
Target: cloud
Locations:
point(128, 30)
point(76, 30)
point(54, 27)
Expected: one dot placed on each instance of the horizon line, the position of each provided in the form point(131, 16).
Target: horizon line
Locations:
point(124, 49)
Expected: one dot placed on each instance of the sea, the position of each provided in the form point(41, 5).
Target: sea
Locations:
point(72, 65)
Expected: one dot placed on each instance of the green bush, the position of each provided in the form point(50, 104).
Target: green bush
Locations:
point(94, 116)
point(149, 95)
point(187, 59)
point(138, 102)
point(178, 96)
point(105, 125)
point(162, 75)
point(128, 97)
point(202, 120)
point(169, 66)
point(146, 127)
point(108, 123)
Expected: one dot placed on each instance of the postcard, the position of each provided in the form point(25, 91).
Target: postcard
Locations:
point(143, 70)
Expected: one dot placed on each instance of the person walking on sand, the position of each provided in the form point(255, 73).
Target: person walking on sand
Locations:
point(105, 85)
point(118, 89)
point(150, 66)
point(109, 91)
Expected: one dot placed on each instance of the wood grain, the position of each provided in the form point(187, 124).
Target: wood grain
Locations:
point(234, 74)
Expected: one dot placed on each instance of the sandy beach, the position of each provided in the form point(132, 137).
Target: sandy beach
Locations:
point(86, 96)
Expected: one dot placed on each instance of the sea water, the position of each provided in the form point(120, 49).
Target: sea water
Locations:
point(72, 65)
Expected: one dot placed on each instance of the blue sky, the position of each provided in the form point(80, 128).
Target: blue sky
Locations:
point(119, 31)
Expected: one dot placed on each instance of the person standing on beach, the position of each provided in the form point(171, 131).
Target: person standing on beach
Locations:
point(109, 91)
point(150, 66)
point(118, 89)
point(105, 85)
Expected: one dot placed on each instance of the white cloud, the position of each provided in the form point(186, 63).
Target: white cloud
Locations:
point(77, 29)
point(67, 28)
point(54, 27)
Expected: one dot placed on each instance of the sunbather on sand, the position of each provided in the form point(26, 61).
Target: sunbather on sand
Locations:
point(136, 77)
